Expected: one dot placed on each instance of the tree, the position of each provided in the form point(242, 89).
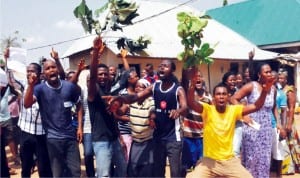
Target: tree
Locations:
point(11, 41)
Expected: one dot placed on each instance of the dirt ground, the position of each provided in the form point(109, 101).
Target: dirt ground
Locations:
point(17, 169)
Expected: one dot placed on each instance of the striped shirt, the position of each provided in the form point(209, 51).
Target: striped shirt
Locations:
point(139, 120)
point(124, 126)
point(87, 127)
point(30, 119)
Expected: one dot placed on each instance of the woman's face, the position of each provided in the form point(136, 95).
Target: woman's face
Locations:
point(139, 87)
point(230, 82)
point(265, 73)
point(247, 74)
point(239, 80)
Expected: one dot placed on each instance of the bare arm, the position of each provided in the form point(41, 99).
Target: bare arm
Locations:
point(61, 71)
point(291, 101)
point(243, 92)
point(191, 102)
point(182, 105)
point(79, 117)
point(124, 53)
point(260, 101)
point(80, 67)
point(29, 99)
point(98, 48)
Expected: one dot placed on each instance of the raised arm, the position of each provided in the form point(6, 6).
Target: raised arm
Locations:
point(98, 48)
point(61, 72)
point(80, 67)
point(29, 99)
point(261, 100)
point(240, 94)
point(191, 102)
point(124, 53)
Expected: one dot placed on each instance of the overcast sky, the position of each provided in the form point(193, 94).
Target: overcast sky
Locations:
point(46, 22)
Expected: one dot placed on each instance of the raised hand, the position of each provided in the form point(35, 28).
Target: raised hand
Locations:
point(98, 44)
point(268, 84)
point(124, 53)
point(32, 79)
point(54, 54)
point(81, 66)
point(6, 53)
point(251, 54)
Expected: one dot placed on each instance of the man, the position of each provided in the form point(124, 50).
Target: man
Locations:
point(56, 98)
point(192, 150)
point(219, 123)
point(170, 103)
point(151, 76)
point(106, 144)
point(33, 135)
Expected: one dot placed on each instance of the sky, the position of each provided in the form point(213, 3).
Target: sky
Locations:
point(49, 22)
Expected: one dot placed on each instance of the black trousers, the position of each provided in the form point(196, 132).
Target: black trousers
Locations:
point(4, 165)
point(31, 145)
point(172, 150)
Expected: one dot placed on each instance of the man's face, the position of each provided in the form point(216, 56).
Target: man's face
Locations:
point(102, 76)
point(50, 71)
point(31, 70)
point(199, 81)
point(149, 70)
point(112, 72)
point(221, 96)
point(164, 69)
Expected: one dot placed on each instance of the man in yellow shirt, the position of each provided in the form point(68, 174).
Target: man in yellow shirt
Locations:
point(219, 123)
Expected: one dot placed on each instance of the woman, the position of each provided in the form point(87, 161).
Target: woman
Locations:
point(229, 80)
point(257, 144)
point(142, 123)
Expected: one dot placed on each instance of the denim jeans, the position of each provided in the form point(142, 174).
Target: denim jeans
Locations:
point(88, 155)
point(64, 157)
point(237, 138)
point(109, 153)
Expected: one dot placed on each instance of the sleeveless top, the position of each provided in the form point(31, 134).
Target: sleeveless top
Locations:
point(167, 129)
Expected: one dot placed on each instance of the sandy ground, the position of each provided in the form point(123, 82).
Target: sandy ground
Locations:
point(17, 169)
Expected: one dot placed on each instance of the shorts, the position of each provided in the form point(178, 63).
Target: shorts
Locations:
point(277, 147)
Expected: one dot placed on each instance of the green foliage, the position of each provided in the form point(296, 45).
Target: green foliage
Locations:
point(134, 45)
point(85, 15)
point(120, 12)
point(12, 41)
point(190, 29)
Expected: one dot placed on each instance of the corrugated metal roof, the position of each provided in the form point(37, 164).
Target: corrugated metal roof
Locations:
point(165, 43)
point(263, 22)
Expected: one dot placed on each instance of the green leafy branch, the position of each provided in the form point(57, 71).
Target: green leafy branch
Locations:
point(190, 29)
point(120, 12)
point(134, 45)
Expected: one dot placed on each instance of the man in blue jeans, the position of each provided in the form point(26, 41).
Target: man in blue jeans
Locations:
point(105, 134)
point(56, 98)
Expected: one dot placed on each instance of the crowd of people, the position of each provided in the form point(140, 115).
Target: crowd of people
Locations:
point(133, 126)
